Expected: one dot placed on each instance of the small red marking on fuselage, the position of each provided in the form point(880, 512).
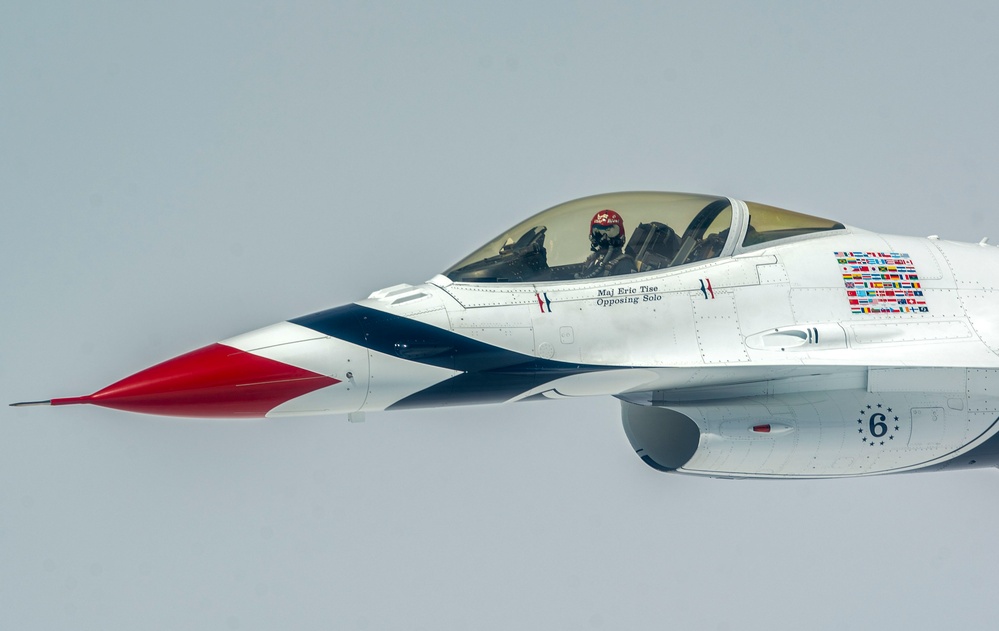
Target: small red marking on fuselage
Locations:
point(540, 302)
point(712, 291)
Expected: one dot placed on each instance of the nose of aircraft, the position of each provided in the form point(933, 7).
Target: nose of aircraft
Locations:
point(216, 381)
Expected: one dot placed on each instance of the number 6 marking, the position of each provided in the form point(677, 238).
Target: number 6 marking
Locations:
point(879, 428)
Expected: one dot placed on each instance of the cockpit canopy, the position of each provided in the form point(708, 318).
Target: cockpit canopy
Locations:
point(661, 230)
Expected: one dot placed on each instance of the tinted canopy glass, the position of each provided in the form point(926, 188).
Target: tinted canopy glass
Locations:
point(768, 223)
point(659, 230)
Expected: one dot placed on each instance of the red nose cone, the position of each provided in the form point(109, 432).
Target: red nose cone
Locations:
point(212, 382)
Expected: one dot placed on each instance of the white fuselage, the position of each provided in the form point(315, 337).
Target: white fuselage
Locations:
point(755, 342)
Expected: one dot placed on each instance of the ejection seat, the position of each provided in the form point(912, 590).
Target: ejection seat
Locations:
point(653, 246)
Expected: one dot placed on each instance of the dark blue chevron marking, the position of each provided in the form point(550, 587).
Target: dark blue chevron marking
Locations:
point(409, 339)
point(490, 374)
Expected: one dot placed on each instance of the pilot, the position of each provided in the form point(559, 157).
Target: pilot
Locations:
point(607, 242)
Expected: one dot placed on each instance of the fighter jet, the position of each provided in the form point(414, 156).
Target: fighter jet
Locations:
point(743, 341)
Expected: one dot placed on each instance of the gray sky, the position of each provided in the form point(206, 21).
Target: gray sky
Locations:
point(173, 174)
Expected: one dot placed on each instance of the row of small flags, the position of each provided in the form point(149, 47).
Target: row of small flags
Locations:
point(889, 309)
point(875, 258)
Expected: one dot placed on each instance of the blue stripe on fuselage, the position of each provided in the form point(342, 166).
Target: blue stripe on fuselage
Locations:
point(490, 374)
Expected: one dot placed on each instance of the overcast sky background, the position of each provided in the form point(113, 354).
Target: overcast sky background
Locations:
point(173, 174)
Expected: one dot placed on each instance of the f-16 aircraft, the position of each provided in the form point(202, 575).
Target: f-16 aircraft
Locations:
point(743, 340)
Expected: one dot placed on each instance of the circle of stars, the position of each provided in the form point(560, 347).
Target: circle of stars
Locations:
point(864, 420)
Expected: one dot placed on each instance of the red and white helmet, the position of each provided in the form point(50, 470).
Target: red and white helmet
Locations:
point(606, 229)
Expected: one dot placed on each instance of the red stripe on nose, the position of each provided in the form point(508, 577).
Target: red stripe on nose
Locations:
point(212, 382)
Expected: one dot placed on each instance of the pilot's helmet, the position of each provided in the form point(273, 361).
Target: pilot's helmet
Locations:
point(606, 230)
